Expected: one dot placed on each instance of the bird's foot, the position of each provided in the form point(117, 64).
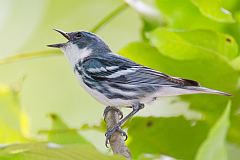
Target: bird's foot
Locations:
point(110, 132)
point(108, 108)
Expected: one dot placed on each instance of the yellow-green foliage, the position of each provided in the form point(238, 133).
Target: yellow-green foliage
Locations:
point(195, 39)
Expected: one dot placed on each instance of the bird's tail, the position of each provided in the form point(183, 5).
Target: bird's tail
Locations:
point(199, 89)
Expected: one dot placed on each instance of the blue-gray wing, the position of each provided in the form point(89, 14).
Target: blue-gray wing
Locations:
point(115, 73)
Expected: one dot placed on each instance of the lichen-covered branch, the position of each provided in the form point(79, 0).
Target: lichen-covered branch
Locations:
point(117, 142)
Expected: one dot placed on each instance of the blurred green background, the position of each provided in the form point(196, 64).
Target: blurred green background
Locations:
point(196, 39)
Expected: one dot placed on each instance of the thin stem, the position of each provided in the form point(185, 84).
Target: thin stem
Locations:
point(24, 56)
point(109, 17)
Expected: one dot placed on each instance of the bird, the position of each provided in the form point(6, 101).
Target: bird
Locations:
point(117, 81)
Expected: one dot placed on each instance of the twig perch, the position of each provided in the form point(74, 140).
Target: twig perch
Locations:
point(117, 142)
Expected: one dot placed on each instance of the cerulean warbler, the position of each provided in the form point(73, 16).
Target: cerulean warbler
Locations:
point(117, 81)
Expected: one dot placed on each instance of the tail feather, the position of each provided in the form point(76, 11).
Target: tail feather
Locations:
point(206, 90)
point(189, 82)
point(197, 88)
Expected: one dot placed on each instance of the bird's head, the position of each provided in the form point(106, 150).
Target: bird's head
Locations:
point(81, 44)
point(80, 38)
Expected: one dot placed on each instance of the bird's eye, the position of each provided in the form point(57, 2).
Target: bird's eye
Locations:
point(78, 35)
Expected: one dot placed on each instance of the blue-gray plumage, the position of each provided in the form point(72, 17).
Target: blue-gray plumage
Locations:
point(117, 81)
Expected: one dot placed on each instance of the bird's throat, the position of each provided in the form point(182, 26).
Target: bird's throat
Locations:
point(75, 54)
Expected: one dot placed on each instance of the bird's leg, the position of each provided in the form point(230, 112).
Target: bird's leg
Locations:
point(112, 108)
point(117, 127)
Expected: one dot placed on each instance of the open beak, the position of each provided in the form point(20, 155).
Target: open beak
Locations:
point(59, 45)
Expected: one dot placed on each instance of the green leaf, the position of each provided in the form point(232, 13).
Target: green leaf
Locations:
point(202, 51)
point(182, 14)
point(145, 54)
point(51, 151)
point(62, 134)
point(13, 121)
point(213, 9)
point(213, 73)
point(194, 44)
point(166, 136)
point(214, 147)
point(236, 63)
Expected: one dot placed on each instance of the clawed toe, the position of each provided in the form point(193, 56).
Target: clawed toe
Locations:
point(124, 134)
point(107, 141)
point(120, 115)
point(108, 135)
point(110, 132)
